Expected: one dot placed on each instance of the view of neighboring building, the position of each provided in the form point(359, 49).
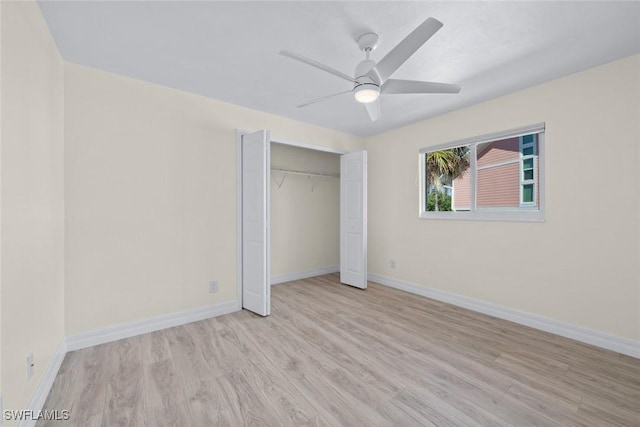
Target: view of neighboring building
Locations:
point(507, 176)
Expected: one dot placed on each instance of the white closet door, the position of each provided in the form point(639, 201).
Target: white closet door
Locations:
point(353, 219)
point(256, 161)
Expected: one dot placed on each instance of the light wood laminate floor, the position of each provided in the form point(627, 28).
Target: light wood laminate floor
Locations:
point(332, 355)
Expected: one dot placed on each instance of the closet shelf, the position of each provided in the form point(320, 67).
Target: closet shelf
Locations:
point(295, 172)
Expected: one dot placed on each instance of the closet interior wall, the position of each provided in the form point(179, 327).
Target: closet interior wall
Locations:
point(305, 211)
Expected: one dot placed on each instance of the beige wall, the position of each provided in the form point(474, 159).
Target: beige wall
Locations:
point(581, 265)
point(151, 196)
point(305, 213)
point(1, 397)
point(32, 205)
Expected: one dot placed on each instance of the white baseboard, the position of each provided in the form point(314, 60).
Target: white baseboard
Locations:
point(568, 330)
point(42, 390)
point(126, 330)
point(304, 274)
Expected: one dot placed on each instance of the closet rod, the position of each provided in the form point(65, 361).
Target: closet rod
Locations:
point(293, 172)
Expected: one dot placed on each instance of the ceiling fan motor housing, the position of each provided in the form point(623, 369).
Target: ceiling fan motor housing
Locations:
point(366, 74)
point(366, 88)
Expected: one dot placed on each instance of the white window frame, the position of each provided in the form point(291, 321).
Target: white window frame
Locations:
point(528, 212)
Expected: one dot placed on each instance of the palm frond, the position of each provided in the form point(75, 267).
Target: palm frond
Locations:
point(443, 166)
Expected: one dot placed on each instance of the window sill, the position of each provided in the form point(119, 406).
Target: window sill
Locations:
point(517, 216)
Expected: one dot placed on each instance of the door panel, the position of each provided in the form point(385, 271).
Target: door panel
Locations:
point(255, 222)
point(353, 219)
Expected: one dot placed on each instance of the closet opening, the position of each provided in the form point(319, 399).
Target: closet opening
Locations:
point(302, 212)
point(305, 212)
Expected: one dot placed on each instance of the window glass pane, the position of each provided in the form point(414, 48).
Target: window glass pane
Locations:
point(498, 179)
point(528, 174)
point(447, 179)
point(527, 163)
point(499, 187)
point(527, 151)
point(501, 151)
point(527, 193)
point(527, 139)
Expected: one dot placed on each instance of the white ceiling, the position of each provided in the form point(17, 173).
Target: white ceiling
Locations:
point(229, 50)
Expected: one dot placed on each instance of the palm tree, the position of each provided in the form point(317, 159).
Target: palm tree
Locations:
point(443, 166)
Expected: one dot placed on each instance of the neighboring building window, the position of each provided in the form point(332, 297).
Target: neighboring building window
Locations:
point(528, 152)
point(495, 176)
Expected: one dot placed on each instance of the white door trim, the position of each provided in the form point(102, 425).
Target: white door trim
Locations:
point(308, 146)
point(239, 134)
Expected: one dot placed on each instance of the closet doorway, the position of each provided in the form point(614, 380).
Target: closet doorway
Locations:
point(302, 212)
point(305, 212)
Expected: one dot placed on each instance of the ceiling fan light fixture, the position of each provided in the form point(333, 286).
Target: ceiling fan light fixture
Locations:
point(372, 76)
point(366, 93)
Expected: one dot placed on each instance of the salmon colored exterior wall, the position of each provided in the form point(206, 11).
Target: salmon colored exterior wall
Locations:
point(462, 193)
point(499, 186)
point(498, 151)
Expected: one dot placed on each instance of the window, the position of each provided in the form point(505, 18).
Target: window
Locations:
point(528, 155)
point(492, 177)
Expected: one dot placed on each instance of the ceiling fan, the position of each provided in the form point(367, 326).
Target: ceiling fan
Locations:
point(372, 78)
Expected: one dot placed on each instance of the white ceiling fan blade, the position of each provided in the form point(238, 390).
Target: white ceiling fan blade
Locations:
point(407, 47)
point(373, 108)
point(315, 64)
point(313, 101)
point(411, 86)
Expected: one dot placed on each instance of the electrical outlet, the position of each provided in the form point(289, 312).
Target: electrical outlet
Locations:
point(30, 366)
point(213, 286)
point(392, 263)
